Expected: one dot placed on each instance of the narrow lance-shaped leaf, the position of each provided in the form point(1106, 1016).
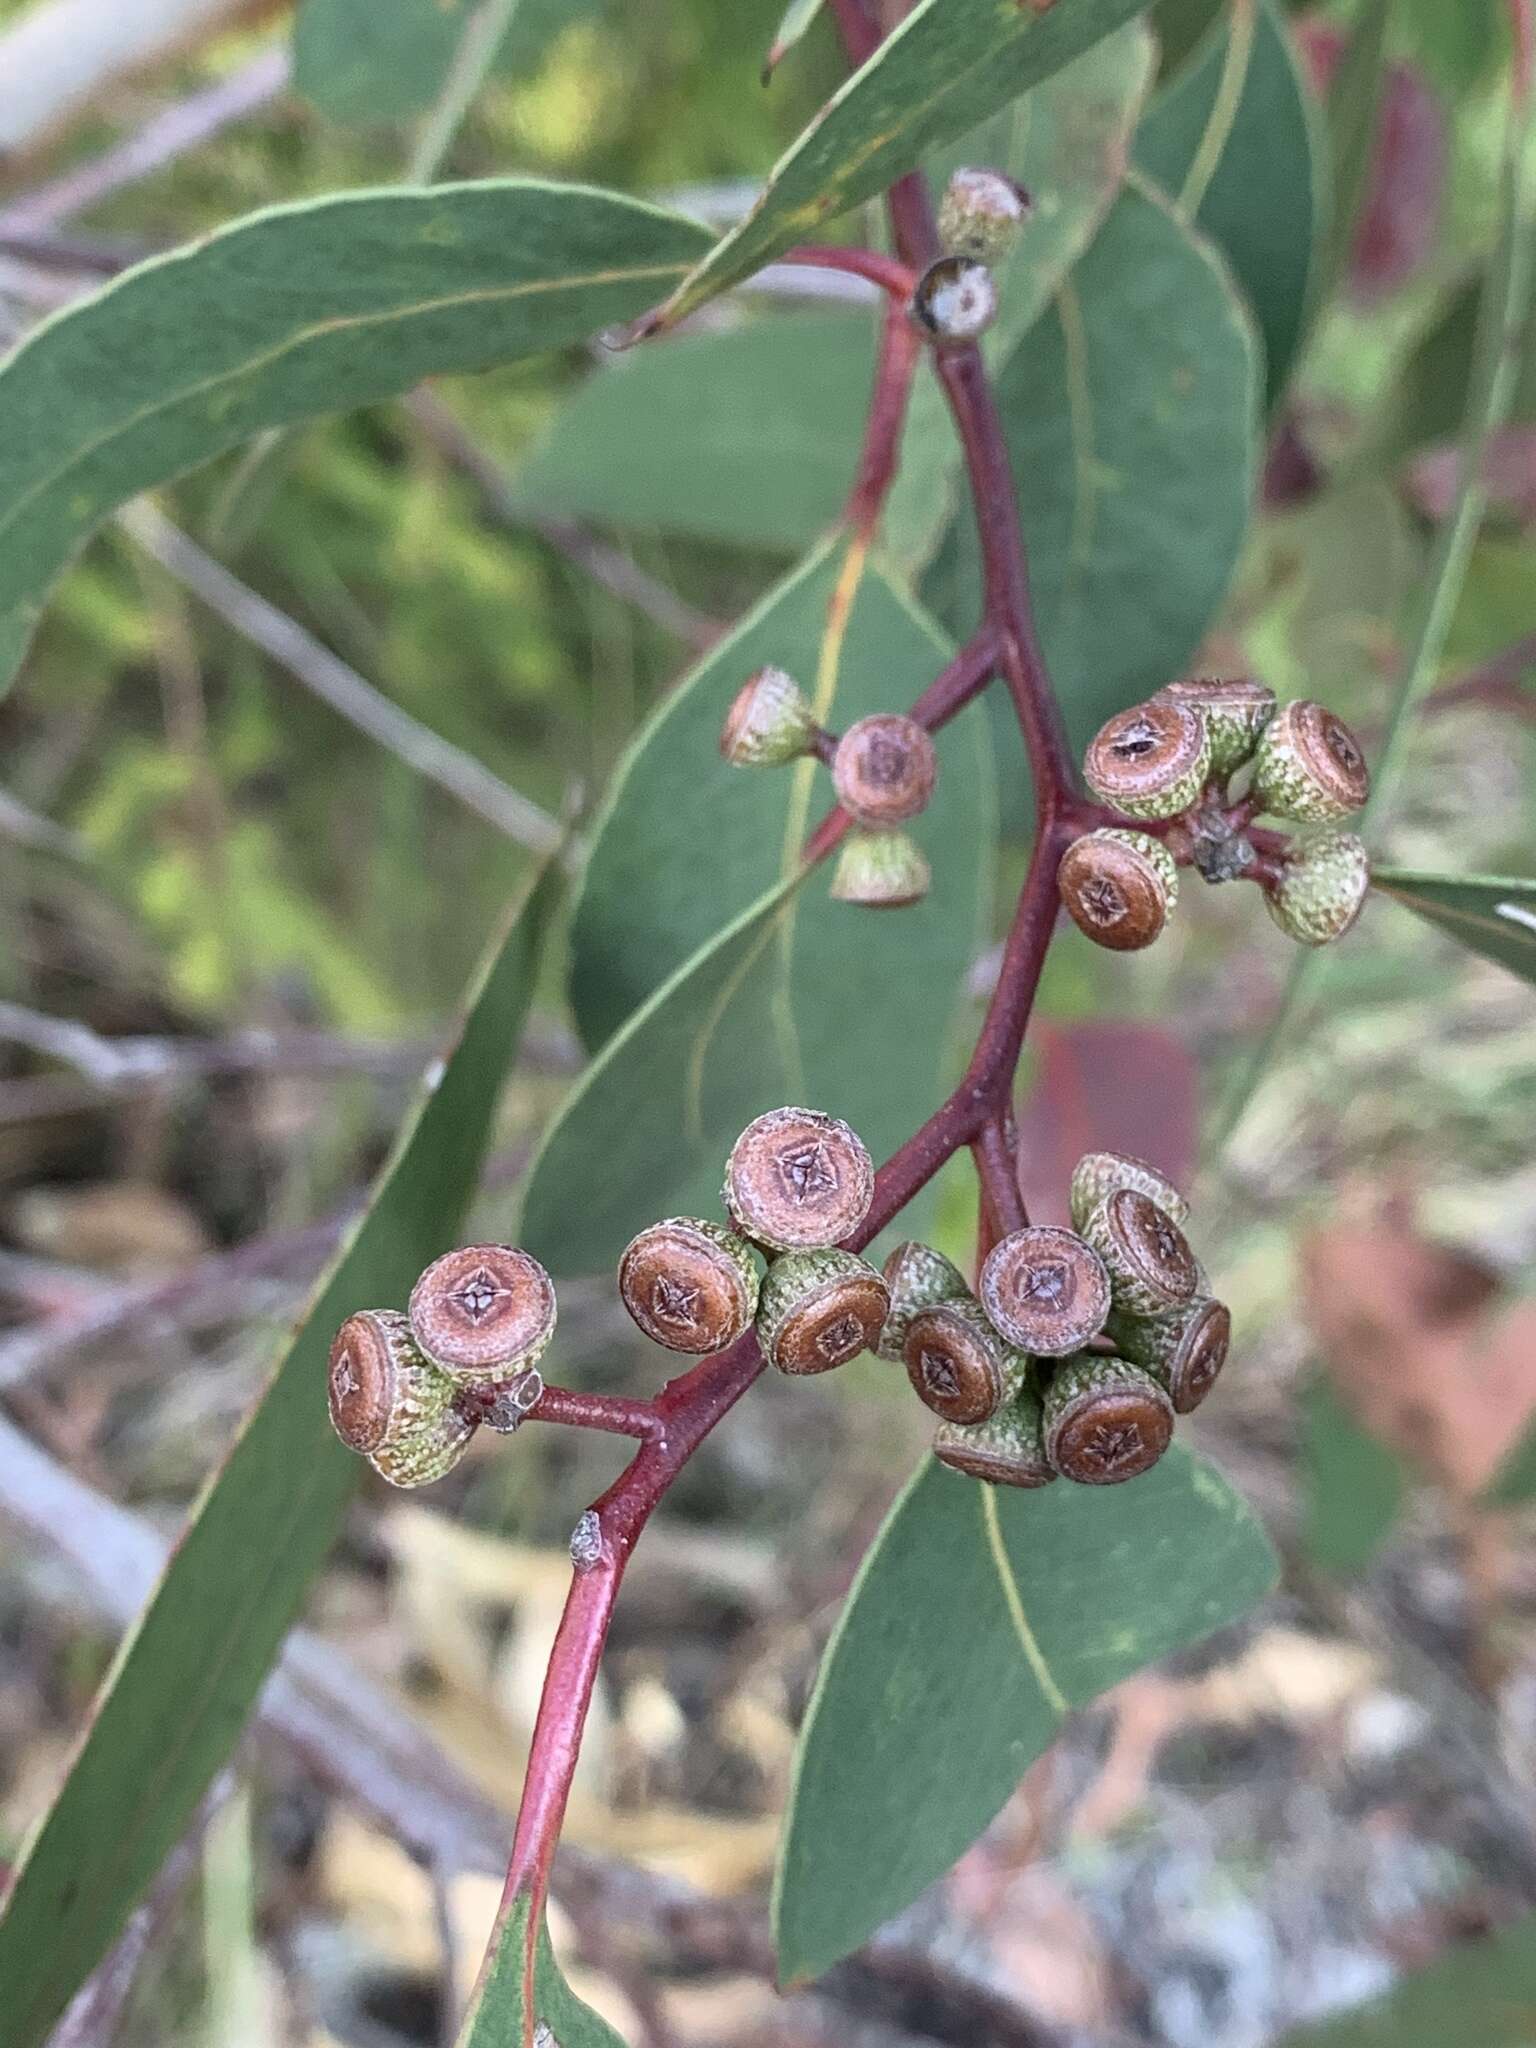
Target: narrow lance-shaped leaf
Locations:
point(183, 1682)
point(1492, 914)
point(949, 65)
point(794, 26)
point(981, 1616)
point(1242, 156)
point(754, 991)
point(289, 314)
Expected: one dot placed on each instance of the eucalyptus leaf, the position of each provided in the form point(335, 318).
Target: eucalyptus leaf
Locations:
point(362, 61)
point(749, 436)
point(284, 316)
point(1480, 1993)
point(1131, 425)
point(945, 68)
point(1352, 1484)
point(183, 1682)
point(498, 2019)
point(1492, 914)
point(794, 26)
point(754, 987)
point(980, 1618)
point(1250, 171)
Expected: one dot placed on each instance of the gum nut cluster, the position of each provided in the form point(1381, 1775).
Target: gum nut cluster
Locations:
point(1173, 759)
point(1078, 1348)
point(796, 1182)
point(409, 1391)
point(980, 219)
point(883, 769)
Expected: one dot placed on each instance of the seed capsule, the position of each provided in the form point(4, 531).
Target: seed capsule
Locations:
point(958, 1364)
point(955, 300)
point(819, 1309)
point(390, 1404)
point(1045, 1290)
point(1119, 887)
point(1151, 761)
point(881, 871)
point(1098, 1174)
point(1322, 889)
point(1008, 1450)
point(483, 1313)
point(1151, 1267)
point(981, 215)
point(689, 1284)
point(884, 769)
point(917, 1277)
point(770, 721)
point(1184, 1351)
point(1106, 1420)
point(798, 1178)
point(1309, 766)
point(1236, 710)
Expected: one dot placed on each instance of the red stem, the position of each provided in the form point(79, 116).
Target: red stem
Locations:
point(870, 264)
point(900, 347)
point(998, 1171)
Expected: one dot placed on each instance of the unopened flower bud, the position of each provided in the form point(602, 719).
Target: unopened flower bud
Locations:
point(884, 769)
point(770, 721)
point(1106, 1420)
point(1309, 766)
point(1321, 889)
point(390, 1404)
point(798, 1178)
point(1119, 887)
point(819, 1309)
point(918, 1277)
point(1098, 1174)
point(1236, 710)
point(484, 1313)
point(959, 1364)
point(881, 871)
point(981, 214)
point(1151, 1267)
point(689, 1284)
point(1007, 1450)
point(955, 299)
point(1184, 1350)
point(1045, 1290)
point(1151, 761)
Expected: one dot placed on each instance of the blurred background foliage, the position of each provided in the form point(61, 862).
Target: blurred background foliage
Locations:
point(239, 858)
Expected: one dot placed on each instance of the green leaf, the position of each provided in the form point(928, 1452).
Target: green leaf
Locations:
point(182, 1684)
point(753, 990)
point(360, 61)
point(1234, 142)
point(295, 312)
point(794, 26)
point(1180, 26)
point(1458, 45)
point(1352, 1484)
point(498, 2019)
point(1482, 1993)
point(750, 436)
point(948, 66)
point(1067, 143)
point(1494, 915)
point(1354, 116)
point(1430, 396)
point(1131, 423)
point(981, 1616)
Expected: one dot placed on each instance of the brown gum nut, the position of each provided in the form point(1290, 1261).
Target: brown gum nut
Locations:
point(484, 1311)
point(1116, 890)
point(1185, 1350)
point(1151, 761)
point(1106, 1421)
point(958, 1364)
point(1045, 1290)
point(1310, 766)
point(955, 299)
point(1151, 1266)
point(371, 1356)
point(820, 1309)
point(798, 1178)
point(918, 1277)
point(884, 769)
point(689, 1285)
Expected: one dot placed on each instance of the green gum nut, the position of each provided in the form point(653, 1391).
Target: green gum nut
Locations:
point(1106, 1420)
point(1097, 1175)
point(959, 1365)
point(1321, 889)
point(881, 871)
point(1006, 1450)
point(1185, 1350)
point(818, 1309)
point(1152, 761)
point(1236, 711)
point(770, 722)
point(981, 215)
point(1309, 766)
point(918, 1277)
point(390, 1404)
point(1148, 1258)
